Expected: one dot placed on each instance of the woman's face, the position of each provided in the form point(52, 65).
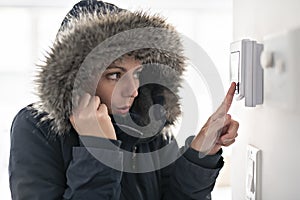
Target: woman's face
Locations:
point(118, 85)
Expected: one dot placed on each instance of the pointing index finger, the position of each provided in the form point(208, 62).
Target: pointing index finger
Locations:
point(229, 96)
point(226, 104)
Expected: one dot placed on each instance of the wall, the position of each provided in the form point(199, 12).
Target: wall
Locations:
point(271, 128)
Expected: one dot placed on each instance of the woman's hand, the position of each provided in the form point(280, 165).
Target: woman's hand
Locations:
point(219, 130)
point(91, 118)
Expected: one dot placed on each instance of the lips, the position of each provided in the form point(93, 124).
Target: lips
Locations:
point(122, 110)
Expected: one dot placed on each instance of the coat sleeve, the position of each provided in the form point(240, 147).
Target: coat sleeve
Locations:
point(36, 167)
point(191, 177)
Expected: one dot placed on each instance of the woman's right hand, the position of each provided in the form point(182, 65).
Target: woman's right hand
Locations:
point(91, 118)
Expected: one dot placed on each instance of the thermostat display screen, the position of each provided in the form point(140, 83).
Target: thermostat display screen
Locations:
point(235, 67)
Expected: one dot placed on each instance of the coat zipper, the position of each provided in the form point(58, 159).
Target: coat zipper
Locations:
point(134, 157)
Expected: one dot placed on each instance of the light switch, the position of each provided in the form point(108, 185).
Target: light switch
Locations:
point(282, 78)
point(253, 173)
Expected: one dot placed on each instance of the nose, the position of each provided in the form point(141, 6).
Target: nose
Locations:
point(130, 86)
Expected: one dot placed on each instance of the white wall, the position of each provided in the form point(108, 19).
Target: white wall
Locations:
point(272, 129)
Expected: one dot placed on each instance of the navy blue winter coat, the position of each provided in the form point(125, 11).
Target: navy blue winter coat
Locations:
point(45, 167)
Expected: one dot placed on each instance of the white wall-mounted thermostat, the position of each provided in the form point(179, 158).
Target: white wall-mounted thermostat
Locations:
point(246, 71)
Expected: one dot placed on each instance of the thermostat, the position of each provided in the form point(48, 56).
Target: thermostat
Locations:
point(246, 71)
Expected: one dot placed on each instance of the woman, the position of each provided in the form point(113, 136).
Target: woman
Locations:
point(97, 131)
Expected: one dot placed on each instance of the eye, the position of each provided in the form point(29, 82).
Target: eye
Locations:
point(114, 76)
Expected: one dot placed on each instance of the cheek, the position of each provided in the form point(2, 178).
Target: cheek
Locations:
point(105, 91)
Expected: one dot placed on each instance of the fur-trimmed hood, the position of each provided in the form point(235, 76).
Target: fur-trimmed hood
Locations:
point(92, 37)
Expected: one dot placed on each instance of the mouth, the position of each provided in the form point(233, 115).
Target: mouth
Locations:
point(122, 110)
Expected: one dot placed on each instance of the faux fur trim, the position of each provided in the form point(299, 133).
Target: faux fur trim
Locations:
point(58, 78)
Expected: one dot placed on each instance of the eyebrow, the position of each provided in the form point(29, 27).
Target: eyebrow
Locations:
point(122, 68)
point(118, 67)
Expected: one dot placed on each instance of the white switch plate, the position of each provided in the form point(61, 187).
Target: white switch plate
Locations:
point(282, 80)
point(253, 176)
